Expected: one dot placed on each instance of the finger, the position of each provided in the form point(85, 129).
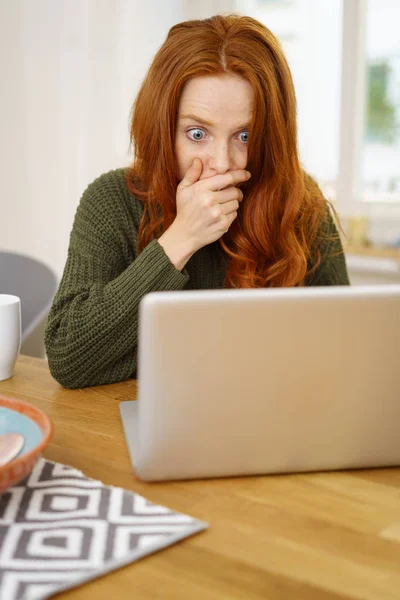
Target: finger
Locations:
point(232, 178)
point(228, 221)
point(193, 173)
point(230, 207)
point(222, 210)
point(228, 194)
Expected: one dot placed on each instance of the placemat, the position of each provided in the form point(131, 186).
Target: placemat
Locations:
point(59, 529)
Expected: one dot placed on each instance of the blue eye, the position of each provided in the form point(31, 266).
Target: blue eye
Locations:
point(196, 135)
point(244, 136)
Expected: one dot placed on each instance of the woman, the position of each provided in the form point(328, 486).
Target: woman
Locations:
point(216, 198)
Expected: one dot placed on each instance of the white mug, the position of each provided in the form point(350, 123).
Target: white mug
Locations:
point(10, 334)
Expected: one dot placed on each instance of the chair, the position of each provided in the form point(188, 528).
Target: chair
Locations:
point(35, 284)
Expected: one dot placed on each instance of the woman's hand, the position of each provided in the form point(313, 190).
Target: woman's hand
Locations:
point(205, 210)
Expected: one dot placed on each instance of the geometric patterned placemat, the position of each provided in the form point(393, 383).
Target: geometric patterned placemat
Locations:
point(59, 529)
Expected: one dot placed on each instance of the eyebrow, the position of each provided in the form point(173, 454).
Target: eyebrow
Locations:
point(204, 122)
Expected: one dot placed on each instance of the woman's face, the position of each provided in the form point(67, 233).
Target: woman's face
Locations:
point(214, 117)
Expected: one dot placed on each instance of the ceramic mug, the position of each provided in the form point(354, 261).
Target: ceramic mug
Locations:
point(10, 334)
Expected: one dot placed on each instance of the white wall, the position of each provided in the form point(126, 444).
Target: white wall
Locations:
point(70, 70)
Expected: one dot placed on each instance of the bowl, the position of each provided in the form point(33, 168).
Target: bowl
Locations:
point(17, 416)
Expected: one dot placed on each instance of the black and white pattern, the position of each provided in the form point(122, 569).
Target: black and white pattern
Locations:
point(59, 529)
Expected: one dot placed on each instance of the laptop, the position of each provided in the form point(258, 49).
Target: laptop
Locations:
point(250, 382)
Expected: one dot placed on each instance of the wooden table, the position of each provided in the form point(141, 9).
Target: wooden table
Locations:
point(327, 536)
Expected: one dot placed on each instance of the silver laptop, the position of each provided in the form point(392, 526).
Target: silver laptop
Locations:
point(245, 382)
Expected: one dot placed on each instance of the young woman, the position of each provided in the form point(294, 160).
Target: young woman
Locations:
point(216, 197)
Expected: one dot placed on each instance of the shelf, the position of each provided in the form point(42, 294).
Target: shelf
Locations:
point(372, 251)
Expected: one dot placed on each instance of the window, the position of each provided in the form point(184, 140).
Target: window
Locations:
point(380, 175)
point(310, 34)
point(345, 60)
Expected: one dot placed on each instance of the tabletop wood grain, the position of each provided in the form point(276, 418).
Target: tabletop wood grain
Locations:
point(324, 536)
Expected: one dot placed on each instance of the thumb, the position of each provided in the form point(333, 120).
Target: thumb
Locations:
point(193, 173)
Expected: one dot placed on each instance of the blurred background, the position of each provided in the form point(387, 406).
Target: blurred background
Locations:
point(70, 70)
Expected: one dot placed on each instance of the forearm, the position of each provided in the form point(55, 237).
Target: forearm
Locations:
point(176, 246)
point(92, 333)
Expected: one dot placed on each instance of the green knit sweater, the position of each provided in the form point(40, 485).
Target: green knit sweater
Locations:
point(92, 331)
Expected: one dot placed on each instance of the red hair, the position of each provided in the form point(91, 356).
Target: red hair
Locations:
point(274, 240)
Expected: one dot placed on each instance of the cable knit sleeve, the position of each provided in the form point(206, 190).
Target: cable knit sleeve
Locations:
point(92, 331)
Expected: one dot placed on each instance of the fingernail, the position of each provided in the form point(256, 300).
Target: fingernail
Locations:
point(248, 173)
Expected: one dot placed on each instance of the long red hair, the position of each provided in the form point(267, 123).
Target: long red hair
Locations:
point(274, 240)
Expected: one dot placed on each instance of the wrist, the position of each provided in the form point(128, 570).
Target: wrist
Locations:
point(178, 247)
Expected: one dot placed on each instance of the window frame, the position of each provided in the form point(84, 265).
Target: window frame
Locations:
point(350, 198)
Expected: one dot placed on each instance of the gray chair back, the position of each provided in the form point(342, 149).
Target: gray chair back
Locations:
point(36, 284)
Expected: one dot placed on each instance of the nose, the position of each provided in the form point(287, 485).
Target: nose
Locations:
point(221, 159)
